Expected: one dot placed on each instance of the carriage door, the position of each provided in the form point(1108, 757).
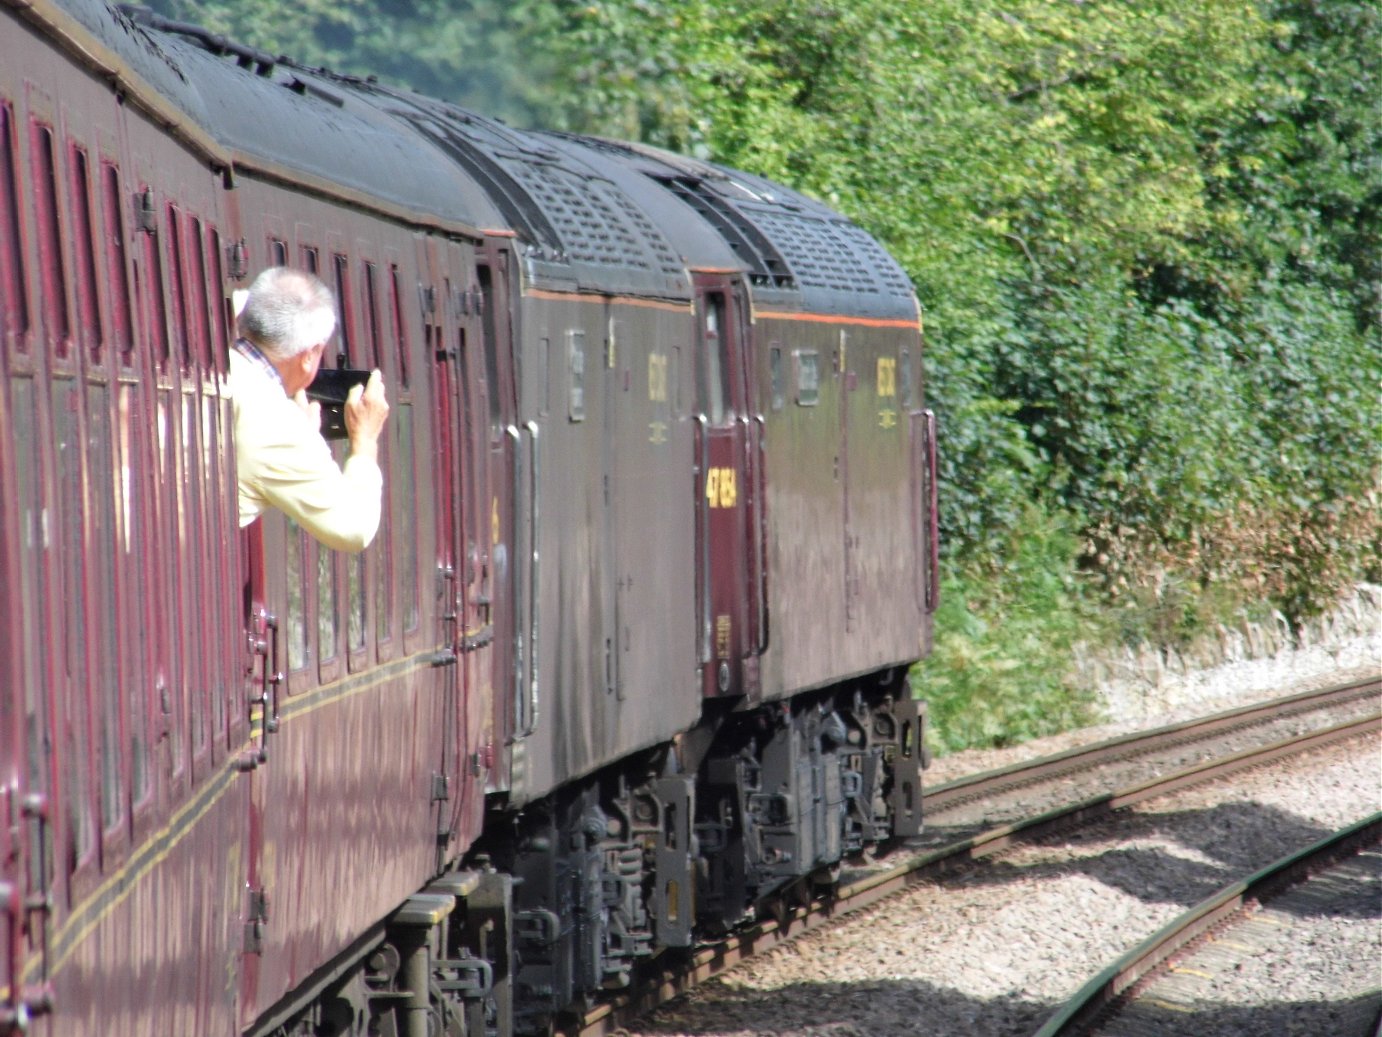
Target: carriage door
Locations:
point(447, 491)
point(729, 496)
point(512, 452)
point(476, 574)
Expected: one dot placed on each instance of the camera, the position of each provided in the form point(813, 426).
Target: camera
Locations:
point(330, 388)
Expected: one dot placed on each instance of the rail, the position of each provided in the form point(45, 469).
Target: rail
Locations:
point(1085, 757)
point(1105, 989)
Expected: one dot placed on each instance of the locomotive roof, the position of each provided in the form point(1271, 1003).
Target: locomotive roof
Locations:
point(579, 228)
point(588, 213)
point(797, 251)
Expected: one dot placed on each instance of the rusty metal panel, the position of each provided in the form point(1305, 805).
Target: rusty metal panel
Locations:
point(613, 593)
point(839, 475)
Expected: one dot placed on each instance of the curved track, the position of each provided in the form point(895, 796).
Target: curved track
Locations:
point(1147, 987)
point(911, 864)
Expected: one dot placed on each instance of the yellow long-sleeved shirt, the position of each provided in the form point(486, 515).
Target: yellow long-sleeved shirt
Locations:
point(283, 462)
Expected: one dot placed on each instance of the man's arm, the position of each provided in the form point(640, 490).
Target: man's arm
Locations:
point(284, 463)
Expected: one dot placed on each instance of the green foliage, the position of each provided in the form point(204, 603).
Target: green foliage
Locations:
point(1306, 164)
point(999, 671)
point(489, 55)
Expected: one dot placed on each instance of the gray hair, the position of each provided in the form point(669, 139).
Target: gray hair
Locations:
point(288, 312)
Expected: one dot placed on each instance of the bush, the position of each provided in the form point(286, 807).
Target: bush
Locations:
point(1005, 632)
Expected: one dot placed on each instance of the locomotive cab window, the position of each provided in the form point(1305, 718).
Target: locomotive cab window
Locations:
point(576, 370)
point(808, 377)
point(715, 394)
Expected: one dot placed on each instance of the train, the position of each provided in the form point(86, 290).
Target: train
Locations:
point(629, 653)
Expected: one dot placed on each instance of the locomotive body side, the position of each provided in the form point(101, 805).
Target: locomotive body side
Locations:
point(841, 498)
point(614, 590)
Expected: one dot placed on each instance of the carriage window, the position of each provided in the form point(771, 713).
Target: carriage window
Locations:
point(154, 301)
point(407, 492)
point(190, 535)
point(219, 345)
point(98, 507)
point(113, 216)
point(215, 563)
point(355, 566)
point(131, 536)
point(182, 317)
point(78, 574)
point(35, 558)
point(399, 331)
point(909, 389)
point(50, 240)
point(279, 251)
point(14, 307)
point(355, 575)
point(168, 692)
point(68, 507)
point(67, 459)
point(326, 604)
point(383, 556)
point(371, 316)
point(197, 298)
point(88, 308)
point(346, 305)
point(309, 258)
point(297, 603)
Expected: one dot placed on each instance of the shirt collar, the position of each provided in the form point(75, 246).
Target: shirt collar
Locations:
point(250, 352)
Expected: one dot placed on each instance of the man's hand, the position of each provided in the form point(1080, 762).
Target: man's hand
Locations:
point(311, 408)
point(366, 410)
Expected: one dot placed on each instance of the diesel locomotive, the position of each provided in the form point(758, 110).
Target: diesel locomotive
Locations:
point(628, 654)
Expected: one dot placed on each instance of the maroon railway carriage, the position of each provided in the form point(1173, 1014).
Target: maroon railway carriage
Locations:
point(628, 653)
point(191, 844)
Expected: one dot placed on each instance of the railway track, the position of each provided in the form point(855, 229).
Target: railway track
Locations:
point(962, 827)
point(1207, 952)
point(1146, 752)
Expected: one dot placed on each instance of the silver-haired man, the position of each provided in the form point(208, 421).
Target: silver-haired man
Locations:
point(287, 321)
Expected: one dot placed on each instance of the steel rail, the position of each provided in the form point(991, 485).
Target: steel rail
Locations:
point(1086, 757)
point(683, 974)
point(1110, 986)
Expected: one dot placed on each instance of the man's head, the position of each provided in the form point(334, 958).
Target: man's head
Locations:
point(290, 315)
